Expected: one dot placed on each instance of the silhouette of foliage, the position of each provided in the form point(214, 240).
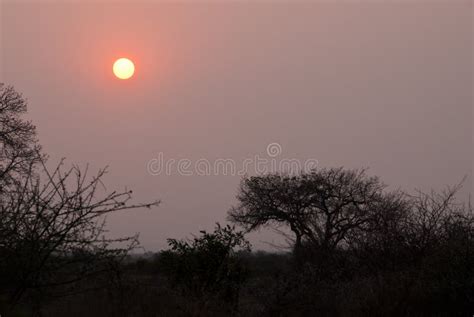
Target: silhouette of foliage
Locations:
point(52, 223)
point(207, 266)
point(360, 249)
point(321, 207)
point(19, 147)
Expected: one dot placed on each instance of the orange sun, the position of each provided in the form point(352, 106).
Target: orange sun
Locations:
point(123, 68)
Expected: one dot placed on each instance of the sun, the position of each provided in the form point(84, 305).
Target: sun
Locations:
point(123, 68)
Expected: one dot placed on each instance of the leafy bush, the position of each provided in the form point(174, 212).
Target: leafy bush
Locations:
point(208, 266)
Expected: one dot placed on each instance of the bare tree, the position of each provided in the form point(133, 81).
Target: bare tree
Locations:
point(19, 146)
point(52, 232)
point(53, 239)
point(435, 218)
point(409, 228)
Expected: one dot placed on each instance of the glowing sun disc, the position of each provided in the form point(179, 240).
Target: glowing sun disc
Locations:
point(123, 68)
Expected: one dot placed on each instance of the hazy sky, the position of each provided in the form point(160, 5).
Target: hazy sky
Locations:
point(380, 84)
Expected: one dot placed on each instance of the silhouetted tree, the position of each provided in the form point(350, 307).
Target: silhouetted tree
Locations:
point(19, 146)
point(53, 232)
point(381, 242)
point(439, 235)
point(52, 223)
point(320, 207)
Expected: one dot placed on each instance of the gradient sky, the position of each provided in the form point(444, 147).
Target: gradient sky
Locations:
point(380, 84)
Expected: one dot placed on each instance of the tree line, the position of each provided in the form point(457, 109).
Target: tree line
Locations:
point(355, 247)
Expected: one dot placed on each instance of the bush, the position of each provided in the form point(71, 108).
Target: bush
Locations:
point(207, 268)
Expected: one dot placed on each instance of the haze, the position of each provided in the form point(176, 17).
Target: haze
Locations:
point(385, 85)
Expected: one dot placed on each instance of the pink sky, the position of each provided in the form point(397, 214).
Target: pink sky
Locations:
point(380, 84)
